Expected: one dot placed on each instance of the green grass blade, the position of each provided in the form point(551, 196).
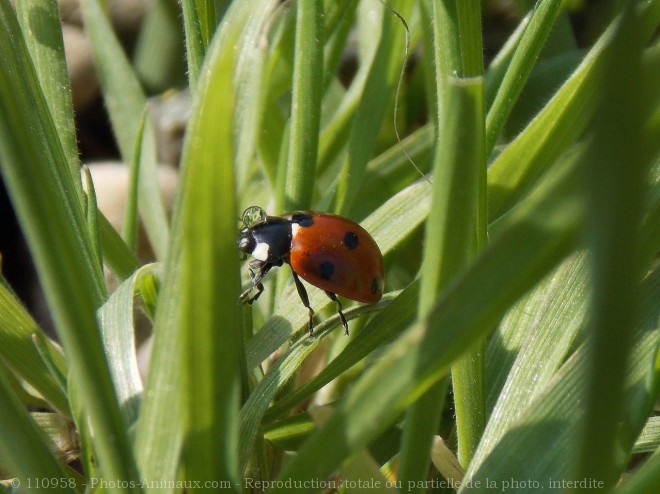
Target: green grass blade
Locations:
point(305, 105)
point(199, 23)
point(649, 439)
point(40, 22)
point(117, 327)
point(617, 186)
point(198, 314)
point(39, 182)
point(252, 62)
point(370, 113)
point(645, 480)
point(92, 218)
point(25, 448)
point(126, 101)
point(519, 68)
point(456, 227)
point(130, 223)
point(23, 357)
point(382, 329)
point(210, 276)
point(121, 260)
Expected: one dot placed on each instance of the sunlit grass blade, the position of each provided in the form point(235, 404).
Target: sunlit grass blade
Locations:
point(251, 64)
point(381, 330)
point(199, 20)
point(533, 339)
point(40, 22)
point(554, 417)
point(199, 296)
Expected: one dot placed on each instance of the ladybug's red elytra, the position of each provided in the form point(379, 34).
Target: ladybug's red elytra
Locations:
point(328, 251)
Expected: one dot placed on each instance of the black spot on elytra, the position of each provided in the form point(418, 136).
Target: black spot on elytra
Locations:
point(326, 268)
point(351, 240)
point(303, 220)
point(374, 284)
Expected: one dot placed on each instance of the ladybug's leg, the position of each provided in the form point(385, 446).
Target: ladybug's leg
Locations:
point(256, 282)
point(333, 297)
point(302, 293)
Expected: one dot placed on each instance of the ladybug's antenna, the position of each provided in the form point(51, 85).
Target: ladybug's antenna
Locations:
point(404, 66)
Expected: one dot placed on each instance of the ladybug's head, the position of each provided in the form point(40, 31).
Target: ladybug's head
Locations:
point(246, 242)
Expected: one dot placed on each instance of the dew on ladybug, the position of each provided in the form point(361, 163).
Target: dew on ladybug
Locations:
point(328, 251)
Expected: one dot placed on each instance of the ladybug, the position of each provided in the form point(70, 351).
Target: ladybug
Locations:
point(328, 251)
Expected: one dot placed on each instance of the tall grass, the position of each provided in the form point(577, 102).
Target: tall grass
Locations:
point(520, 320)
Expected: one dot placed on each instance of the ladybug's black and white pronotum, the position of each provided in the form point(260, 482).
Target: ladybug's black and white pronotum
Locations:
point(328, 251)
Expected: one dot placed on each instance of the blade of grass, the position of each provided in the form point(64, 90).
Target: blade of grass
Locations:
point(40, 22)
point(336, 131)
point(649, 439)
point(92, 218)
point(644, 481)
point(210, 279)
point(130, 223)
point(21, 355)
point(617, 175)
point(252, 61)
point(533, 339)
point(199, 22)
point(455, 230)
point(370, 113)
point(121, 260)
point(379, 331)
point(305, 106)
point(24, 446)
point(117, 327)
point(125, 101)
point(288, 364)
point(519, 68)
point(41, 26)
point(41, 187)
